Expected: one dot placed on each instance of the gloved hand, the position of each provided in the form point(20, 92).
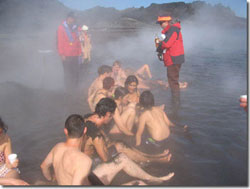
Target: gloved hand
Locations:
point(160, 56)
point(159, 49)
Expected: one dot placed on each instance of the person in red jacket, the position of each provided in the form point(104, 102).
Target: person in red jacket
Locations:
point(69, 49)
point(171, 47)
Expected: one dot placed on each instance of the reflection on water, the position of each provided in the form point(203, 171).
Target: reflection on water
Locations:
point(213, 151)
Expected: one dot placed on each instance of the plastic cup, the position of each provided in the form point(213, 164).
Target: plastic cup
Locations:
point(243, 98)
point(12, 158)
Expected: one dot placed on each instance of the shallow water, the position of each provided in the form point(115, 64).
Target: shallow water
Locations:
point(212, 152)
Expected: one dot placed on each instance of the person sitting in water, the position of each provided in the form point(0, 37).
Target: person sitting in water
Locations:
point(7, 169)
point(106, 91)
point(131, 85)
point(143, 75)
point(124, 117)
point(97, 140)
point(103, 71)
point(72, 167)
point(153, 118)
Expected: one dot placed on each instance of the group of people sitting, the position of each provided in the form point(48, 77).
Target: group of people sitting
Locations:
point(109, 139)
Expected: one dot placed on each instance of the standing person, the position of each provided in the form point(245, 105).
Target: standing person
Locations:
point(173, 54)
point(85, 44)
point(69, 49)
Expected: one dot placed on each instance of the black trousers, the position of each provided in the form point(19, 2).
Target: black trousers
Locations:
point(71, 73)
point(173, 81)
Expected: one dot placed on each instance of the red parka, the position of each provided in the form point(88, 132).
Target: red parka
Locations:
point(64, 45)
point(172, 45)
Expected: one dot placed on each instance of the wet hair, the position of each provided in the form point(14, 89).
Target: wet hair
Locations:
point(104, 106)
point(75, 126)
point(108, 82)
point(118, 63)
point(147, 100)
point(104, 69)
point(130, 79)
point(120, 92)
point(3, 125)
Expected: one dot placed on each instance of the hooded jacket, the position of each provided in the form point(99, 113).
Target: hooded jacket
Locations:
point(68, 45)
point(172, 45)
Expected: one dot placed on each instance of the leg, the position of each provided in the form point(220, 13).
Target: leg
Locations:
point(141, 157)
point(107, 171)
point(173, 80)
point(144, 70)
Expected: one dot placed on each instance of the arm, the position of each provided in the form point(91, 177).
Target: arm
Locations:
point(82, 171)
point(60, 40)
point(7, 152)
point(101, 148)
point(46, 165)
point(169, 123)
point(169, 40)
point(120, 124)
point(140, 129)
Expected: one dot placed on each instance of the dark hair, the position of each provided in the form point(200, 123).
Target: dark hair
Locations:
point(120, 92)
point(130, 79)
point(75, 126)
point(147, 100)
point(104, 69)
point(3, 125)
point(108, 82)
point(118, 63)
point(71, 15)
point(105, 105)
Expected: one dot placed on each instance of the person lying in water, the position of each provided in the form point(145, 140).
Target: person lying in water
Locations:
point(143, 74)
point(73, 167)
point(97, 141)
point(153, 118)
point(106, 91)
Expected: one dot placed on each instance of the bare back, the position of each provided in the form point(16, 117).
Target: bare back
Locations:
point(157, 123)
point(71, 166)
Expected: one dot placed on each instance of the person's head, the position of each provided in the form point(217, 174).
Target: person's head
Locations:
point(74, 126)
point(131, 83)
point(108, 83)
point(105, 109)
point(70, 19)
point(104, 71)
point(164, 21)
point(120, 92)
point(3, 127)
point(147, 100)
point(116, 66)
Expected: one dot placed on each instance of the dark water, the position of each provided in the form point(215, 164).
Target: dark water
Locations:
point(213, 152)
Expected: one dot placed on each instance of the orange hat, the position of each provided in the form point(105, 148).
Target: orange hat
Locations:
point(163, 19)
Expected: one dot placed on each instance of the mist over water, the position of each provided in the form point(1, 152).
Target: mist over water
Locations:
point(213, 152)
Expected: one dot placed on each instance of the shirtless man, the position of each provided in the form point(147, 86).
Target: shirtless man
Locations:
point(103, 71)
point(71, 166)
point(106, 91)
point(97, 141)
point(154, 118)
